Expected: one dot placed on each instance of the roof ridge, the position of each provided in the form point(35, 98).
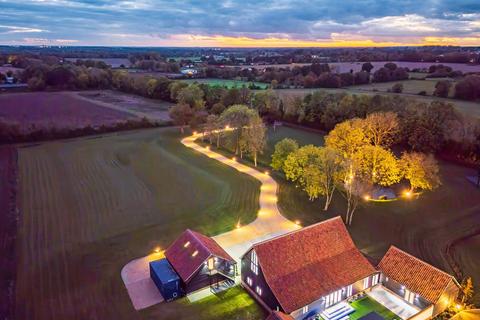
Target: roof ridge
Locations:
point(295, 231)
point(420, 260)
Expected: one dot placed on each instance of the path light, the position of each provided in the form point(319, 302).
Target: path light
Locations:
point(207, 147)
point(234, 159)
point(227, 127)
point(458, 307)
point(297, 222)
point(238, 226)
point(194, 133)
point(408, 194)
point(267, 173)
point(367, 197)
point(157, 250)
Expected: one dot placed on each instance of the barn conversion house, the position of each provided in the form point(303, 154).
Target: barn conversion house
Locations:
point(196, 262)
point(317, 270)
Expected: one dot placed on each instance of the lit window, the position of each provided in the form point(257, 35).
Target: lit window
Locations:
point(365, 283)
point(304, 309)
point(186, 244)
point(259, 290)
point(249, 281)
point(375, 279)
point(194, 253)
point(254, 262)
point(349, 290)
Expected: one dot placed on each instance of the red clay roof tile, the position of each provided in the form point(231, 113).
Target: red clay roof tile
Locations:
point(302, 266)
point(417, 275)
point(183, 258)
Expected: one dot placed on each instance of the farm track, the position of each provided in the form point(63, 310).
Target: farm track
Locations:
point(89, 205)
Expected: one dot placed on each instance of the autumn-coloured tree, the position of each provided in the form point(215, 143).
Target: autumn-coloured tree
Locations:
point(381, 128)
point(347, 138)
point(420, 170)
point(378, 165)
point(192, 96)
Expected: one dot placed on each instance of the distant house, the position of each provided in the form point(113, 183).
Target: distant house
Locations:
point(418, 282)
point(199, 262)
point(317, 270)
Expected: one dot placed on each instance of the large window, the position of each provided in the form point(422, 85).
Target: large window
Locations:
point(333, 298)
point(254, 262)
point(249, 281)
point(365, 283)
point(375, 279)
point(349, 290)
point(304, 309)
point(259, 290)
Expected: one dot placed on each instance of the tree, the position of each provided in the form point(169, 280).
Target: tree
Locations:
point(175, 88)
point(381, 128)
point(353, 187)
point(314, 169)
point(468, 88)
point(282, 149)
point(382, 75)
point(266, 102)
point(237, 117)
point(467, 292)
point(442, 89)
point(347, 138)
point(377, 165)
point(367, 66)
point(255, 137)
point(193, 96)
point(420, 170)
point(212, 128)
point(391, 66)
point(181, 115)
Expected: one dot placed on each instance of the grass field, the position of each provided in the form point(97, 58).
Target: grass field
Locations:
point(424, 227)
point(227, 83)
point(91, 205)
point(409, 86)
point(366, 305)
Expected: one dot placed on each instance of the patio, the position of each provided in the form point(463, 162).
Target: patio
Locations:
point(393, 302)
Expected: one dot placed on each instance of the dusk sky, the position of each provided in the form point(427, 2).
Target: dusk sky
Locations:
point(246, 23)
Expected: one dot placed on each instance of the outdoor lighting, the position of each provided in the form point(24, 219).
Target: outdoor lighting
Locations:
point(207, 147)
point(234, 159)
point(238, 226)
point(156, 250)
point(367, 197)
point(408, 194)
point(227, 127)
point(458, 307)
point(267, 173)
point(297, 222)
point(194, 133)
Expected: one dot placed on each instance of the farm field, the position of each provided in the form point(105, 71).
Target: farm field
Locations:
point(113, 62)
point(467, 107)
point(227, 83)
point(8, 228)
point(55, 109)
point(424, 227)
point(409, 86)
point(156, 110)
point(91, 205)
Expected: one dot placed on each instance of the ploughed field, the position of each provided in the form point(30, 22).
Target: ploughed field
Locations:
point(55, 110)
point(89, 206)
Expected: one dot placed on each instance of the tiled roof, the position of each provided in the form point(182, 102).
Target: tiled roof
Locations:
point(302, 266)
point(417, 275)
point(190, 251)
point(277, 315)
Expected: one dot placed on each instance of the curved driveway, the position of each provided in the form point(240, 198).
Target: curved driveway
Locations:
point(269, 223)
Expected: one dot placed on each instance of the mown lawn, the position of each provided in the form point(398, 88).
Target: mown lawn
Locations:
point(89, 206)
point(366, 305)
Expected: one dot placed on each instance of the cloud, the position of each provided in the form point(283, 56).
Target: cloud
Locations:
point(156, 22)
